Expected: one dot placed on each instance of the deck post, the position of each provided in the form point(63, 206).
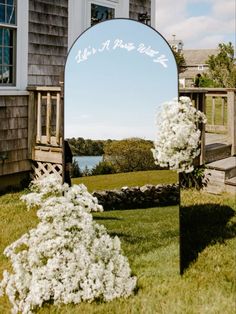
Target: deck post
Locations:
point(39, 118)
point(198, 96)
point(31, 124)
point(203, 129)
point(231, 93)
point(49, 117)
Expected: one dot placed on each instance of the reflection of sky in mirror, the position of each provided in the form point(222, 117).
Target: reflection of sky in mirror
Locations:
point(115, 93)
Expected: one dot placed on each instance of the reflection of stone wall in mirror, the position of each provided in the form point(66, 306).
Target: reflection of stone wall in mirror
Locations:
point(118, 74)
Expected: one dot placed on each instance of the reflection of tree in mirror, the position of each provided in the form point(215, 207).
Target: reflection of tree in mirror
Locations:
point(133, 154)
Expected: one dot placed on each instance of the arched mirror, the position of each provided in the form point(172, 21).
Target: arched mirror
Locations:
point(118, 75)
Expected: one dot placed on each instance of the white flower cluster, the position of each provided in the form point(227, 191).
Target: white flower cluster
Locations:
point(178, 139)
point(67, 258)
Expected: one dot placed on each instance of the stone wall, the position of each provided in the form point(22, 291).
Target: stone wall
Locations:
point(139, 197)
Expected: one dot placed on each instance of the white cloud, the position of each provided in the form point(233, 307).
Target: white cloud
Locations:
point(224, 9)
point(205, 31)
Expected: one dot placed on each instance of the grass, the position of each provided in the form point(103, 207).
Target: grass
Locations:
point(150, 240)
point(118, 180)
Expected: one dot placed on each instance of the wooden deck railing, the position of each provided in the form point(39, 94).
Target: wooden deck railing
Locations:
point(46, 119)
point(45, 124)
point(220, 106)
point(216, 108)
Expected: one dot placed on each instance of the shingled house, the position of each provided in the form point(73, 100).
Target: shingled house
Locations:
point(35, 36)
point(196, 63)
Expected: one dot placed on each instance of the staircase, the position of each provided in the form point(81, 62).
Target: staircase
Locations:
point(221, 168)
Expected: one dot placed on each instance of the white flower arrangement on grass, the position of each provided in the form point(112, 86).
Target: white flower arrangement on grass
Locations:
point(178, 139)
point(67, 258)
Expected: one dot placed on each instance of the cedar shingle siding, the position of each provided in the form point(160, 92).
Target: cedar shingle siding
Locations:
point(48, 28)
point(14, 134)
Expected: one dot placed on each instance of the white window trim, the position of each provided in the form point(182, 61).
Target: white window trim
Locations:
point(154, 18)
point(21, 47)
point(79, 15)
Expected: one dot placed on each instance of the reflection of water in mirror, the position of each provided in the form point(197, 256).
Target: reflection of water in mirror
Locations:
point(117, 74)
point(88, 162)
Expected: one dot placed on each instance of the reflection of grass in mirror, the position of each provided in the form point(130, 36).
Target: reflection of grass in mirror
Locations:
point(150, 241)
point(118, 180)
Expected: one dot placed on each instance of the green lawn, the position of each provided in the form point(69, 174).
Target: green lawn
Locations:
point(118, 180)
point(150, 240)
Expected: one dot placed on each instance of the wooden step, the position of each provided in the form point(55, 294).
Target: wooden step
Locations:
point(222, 176)
point(231, 181)
point(226, 166)
point(217, 151)
point(230, 185)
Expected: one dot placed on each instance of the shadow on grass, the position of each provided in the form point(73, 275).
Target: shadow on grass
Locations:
point(203, 225)
point(106, 218)
point(131, 239)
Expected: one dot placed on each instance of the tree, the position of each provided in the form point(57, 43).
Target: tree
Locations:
point(222, 67)
point(75, 170)
point(129, 155)
point(180, 60)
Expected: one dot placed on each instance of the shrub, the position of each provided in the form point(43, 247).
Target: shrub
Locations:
point(132, 154)
point(86, 172)
point(195, 179)
point(67, 258)
point(75, 170)
point(178, 139)
point(103, 167)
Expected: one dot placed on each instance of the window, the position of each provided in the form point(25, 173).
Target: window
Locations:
point(200, 67)
point(101, 10)
point(7, 42)
point(84, 13)
point(101, 13)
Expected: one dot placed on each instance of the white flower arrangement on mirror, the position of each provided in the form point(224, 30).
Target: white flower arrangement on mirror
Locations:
point(68, 257)
point(178, 139)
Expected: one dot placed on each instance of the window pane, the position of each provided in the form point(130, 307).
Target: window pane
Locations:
point(2, 13)
point(0, 74)
point(9, 2)
point(8, 37)
point(11, 16)
point(1, 36)
point(6, 75)
point(10, 80)
point(100, 13)
point(1, 54)
point(8, 56)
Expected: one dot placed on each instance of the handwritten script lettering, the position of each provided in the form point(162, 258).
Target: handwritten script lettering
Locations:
point(118, 43)
point(108, 46)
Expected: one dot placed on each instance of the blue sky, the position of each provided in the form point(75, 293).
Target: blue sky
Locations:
point(113, 87)
point(199, 23)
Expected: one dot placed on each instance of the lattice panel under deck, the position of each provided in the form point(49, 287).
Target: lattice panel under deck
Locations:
point(42, 169)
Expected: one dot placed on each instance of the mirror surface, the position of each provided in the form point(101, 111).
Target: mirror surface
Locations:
point(118, 75)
